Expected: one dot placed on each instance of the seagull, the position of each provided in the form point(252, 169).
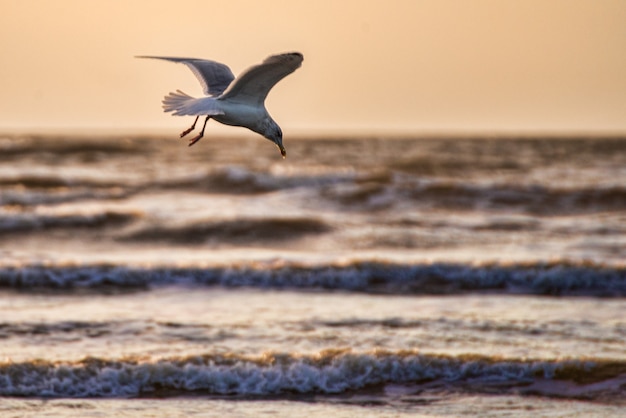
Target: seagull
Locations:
point(232, 101)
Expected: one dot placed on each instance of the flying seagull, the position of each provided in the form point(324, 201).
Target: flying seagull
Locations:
point(232, 101)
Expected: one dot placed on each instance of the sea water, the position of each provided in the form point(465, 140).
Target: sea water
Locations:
point(358, 277)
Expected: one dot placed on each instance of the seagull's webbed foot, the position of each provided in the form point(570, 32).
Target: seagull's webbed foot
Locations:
point(186, 131)
point(195, 139)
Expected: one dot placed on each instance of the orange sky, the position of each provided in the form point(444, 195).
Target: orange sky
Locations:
point(376, 66)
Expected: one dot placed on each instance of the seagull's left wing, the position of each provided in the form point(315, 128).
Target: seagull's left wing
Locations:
point(214, 76)
point(253, 84)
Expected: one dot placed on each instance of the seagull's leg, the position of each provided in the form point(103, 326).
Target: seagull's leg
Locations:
point(201, 134)
point(185, 132)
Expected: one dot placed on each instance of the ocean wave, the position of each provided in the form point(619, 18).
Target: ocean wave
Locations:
point(537, 200)
point(570, 330)
point(25, 222)
point(74, 330)
point(231, 180)
point(29, 198)
point(551, 279)
point(532, 199)
point(36, 189)
point(50, 181)
point(62, 146)
point(241, 180)
point(328, 372)
point(478, 175)
point(573, 330)
point(240, 230)
point(89, 329)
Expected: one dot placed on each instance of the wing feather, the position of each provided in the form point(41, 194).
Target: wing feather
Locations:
point(214, 76)
point(253, 85)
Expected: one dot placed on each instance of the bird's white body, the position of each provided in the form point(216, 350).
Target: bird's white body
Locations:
point(240, 114)
point(235, 102)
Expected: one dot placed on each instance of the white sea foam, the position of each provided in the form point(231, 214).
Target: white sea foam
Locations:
point(376, 277)
point(328, 373)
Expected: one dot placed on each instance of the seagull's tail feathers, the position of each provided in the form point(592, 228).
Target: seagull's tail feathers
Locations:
point(182, 104)
point(176, 102)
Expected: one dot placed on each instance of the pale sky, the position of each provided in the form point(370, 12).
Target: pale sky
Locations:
point(369, 66)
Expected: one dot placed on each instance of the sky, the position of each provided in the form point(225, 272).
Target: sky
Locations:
point(392, 66)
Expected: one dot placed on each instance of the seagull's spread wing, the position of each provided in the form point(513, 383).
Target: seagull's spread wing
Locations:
point(214, 76)
point(253, 84)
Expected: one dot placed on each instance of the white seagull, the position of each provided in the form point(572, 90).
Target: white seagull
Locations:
point(232, 101)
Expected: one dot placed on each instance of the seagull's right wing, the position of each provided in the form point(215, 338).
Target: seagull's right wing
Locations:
point(214, 76)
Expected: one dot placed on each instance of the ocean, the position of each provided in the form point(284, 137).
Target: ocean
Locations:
point(358, 277)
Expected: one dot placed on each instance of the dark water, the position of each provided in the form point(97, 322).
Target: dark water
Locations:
point(360, 276)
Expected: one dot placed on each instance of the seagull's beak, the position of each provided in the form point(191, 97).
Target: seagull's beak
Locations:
point(283, 151)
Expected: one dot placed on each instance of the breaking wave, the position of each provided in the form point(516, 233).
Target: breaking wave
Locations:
point(553, 279)
point(328, 372)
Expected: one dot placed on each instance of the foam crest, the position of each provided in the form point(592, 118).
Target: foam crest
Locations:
point(555, 279)
point(328, 372)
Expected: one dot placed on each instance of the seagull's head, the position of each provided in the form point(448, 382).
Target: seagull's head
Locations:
point(275, 134)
